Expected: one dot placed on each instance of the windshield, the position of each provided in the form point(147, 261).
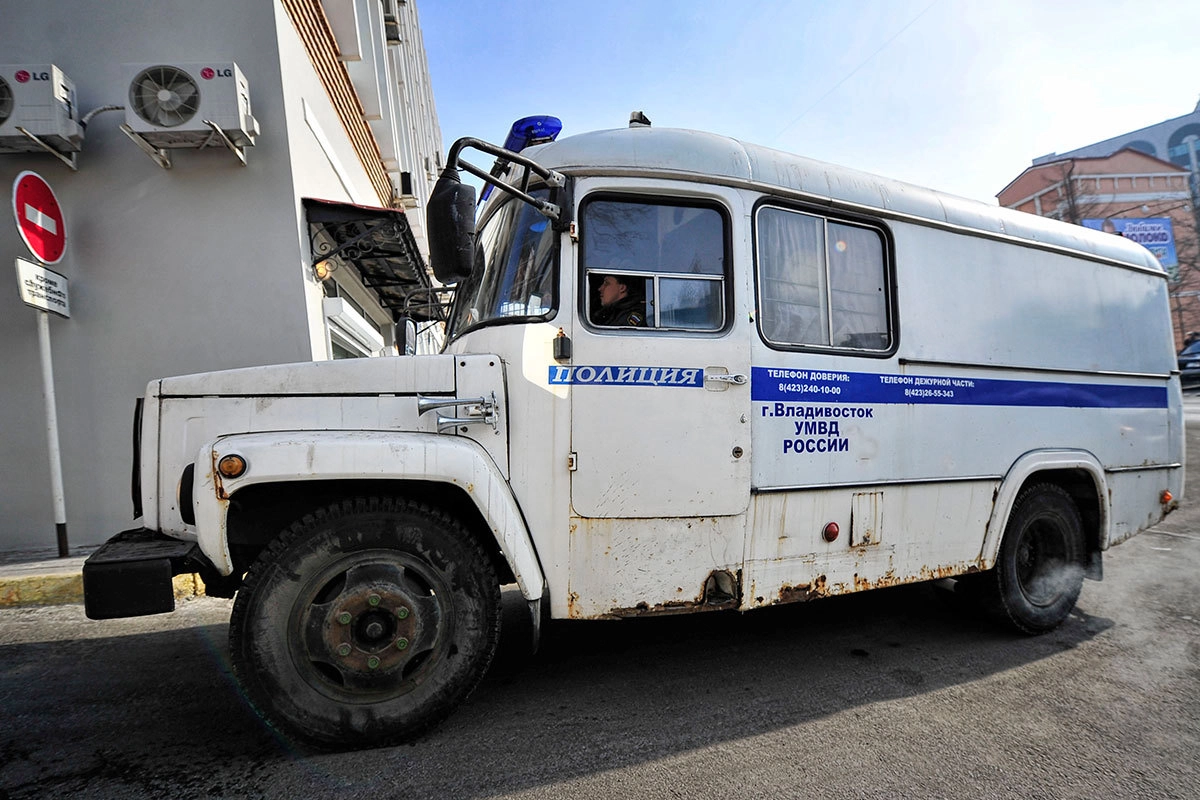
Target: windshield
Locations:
point(513, 279)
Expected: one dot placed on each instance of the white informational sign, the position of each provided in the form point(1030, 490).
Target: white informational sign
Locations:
point(42, 288)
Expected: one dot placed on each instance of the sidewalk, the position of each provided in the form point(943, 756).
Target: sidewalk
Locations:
point(40, 578)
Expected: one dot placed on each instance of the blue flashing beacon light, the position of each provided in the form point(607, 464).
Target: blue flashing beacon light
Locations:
point(532, 130)
point(525, 132)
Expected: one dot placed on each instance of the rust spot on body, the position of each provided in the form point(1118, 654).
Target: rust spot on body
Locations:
point(822, 588)
point(645, 609)
point(668, 608)
point(925, 574)
point(721, 590)
point(804, 591)
point(218, 485)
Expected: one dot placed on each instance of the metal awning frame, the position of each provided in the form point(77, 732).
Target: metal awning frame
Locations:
point(379, 244)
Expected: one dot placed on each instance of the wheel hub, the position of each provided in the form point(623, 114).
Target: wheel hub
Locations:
point(1041, 564)
point(378, 633)
point(369, 633)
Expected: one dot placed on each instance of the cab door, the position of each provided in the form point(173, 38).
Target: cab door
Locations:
point(660, 401)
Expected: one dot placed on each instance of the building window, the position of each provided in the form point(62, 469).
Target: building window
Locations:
point(821, 283)
point(333, 289)
point(1182, 143)
point(352, 334)
point(1142, 146)
point(340, 348)
point(668, 258)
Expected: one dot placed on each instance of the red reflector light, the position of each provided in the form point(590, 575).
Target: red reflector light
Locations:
point(831, 532)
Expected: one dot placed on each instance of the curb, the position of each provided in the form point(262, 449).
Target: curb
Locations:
point(66, 588)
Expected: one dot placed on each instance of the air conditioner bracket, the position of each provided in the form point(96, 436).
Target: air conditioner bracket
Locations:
point(218, 134)
point(157, 154)
point(68, 160)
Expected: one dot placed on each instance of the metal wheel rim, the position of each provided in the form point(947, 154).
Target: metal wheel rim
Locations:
point(1042, 560)
point(371, 626)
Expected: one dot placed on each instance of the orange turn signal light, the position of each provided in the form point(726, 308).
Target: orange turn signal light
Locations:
point(231, 466)
point(1166, 497)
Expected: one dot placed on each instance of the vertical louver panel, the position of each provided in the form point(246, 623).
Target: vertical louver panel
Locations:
point(313, 28)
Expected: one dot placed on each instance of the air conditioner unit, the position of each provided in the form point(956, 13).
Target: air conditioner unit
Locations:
point(40, 99)
point(168, 104)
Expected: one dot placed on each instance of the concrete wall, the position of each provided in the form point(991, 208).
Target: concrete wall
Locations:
point(196, 268)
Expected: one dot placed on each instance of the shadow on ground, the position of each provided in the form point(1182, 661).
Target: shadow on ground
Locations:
point(158, 714)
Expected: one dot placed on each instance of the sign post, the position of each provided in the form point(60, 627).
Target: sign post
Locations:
point(41, 225)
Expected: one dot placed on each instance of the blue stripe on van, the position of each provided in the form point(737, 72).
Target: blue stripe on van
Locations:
point(774, 384)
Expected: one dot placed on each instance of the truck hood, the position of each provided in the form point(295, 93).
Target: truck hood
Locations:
point(358, 376)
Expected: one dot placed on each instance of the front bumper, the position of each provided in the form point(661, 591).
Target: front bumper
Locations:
point(130, 574)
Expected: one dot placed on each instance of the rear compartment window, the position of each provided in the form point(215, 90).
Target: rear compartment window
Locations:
point(821, 282)
point(654, 265)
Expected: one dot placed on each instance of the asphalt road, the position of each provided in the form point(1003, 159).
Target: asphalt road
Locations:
point(893, 693)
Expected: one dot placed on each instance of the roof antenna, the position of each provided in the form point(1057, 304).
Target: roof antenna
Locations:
point(638, 120)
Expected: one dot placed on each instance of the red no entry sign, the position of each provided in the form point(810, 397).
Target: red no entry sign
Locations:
point(39, 217)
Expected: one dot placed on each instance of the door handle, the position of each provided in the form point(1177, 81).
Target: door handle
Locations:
point(736, 380)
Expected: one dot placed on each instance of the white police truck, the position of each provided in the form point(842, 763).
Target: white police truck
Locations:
point(823, 382)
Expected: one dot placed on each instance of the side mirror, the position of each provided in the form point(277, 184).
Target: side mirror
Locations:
point(406, 330)
point(450, 218)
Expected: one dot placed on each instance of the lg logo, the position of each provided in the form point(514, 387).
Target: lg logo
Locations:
point(24, 76)
point(208, 73)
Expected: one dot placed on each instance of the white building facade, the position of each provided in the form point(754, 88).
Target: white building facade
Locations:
point(313, 248)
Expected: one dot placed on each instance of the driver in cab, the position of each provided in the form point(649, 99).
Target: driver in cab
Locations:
point(619, 304)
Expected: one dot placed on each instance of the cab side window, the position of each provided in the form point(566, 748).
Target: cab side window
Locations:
point(821, 282)
point(654, 265)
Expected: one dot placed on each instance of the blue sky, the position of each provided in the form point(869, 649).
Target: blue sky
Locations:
point(959, 95)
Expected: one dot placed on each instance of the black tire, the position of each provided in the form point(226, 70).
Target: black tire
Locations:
point(365, 623)
point(1039, 572)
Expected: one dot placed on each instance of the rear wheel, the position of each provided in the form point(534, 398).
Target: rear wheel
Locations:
point(1039, 572)
point(365, 623)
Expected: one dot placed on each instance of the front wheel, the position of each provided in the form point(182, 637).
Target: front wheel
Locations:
point(365, 623)
point(1039, 572)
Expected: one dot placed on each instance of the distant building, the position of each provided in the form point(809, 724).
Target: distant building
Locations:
point(208, 264)
point(1144, 185)
point(1176, 140)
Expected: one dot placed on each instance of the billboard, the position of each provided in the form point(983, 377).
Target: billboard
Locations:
point(1155, 234)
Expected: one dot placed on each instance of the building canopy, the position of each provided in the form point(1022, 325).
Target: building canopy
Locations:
point(378, 243)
